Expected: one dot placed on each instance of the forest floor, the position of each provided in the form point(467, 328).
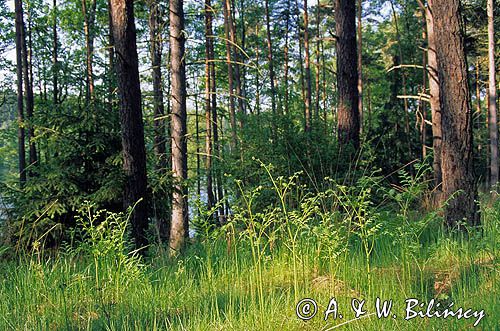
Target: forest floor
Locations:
point(235, 284)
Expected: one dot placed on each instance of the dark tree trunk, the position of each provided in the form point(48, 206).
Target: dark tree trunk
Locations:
point(20, 103)
point(347, 73)
point(456, 115)
point(179, 223)
point(129, 90)
point(28, 90)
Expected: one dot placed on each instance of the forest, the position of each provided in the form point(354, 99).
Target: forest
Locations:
point(249, 165)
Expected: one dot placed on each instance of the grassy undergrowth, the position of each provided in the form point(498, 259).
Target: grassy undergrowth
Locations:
point(251, 273)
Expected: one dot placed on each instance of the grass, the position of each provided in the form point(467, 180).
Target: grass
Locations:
point(251, 274)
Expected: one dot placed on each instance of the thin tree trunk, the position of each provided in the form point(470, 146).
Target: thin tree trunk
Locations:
point(88, 29)
point(317, 81)
point(243, 60)
point(232, 115)
point(55, 65)
point(159, 122)
point(257, 73)
point(270, 57)
point(208, 102)
point(286, 55)
point(160, 139)
point(457, 161)
point(423, 103)
point(301, 62)
point(179, 225)
point(215, 130)
point(360, 63)
point(308, 69)
point(403, 76)
point(347, 73)
point(492, 95)
point(20, 103)
point(28, 89)
point(237, 60)
point(434, 93)
point(197, 136)
point(129, 90)
point(111, 61)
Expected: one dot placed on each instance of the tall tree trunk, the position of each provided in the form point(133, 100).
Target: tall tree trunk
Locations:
point(88, 29)
point(492, 94)
point(257, 72)
point(237, 60)
point(111, 61)
point(215, 129)
point(434, 92)
point(286, 55)
point(242, 58)
point(270, 57)
point(301, 62)
point(360, 62)
point(28, 89)
point(456, 115)
point(179, 228)
point(318, 72)
point(307, 68)
point(20, 104)
point(129, 90)
point(55, 65)
point(230, 74)
point(208, 102)
point(160, 139)
point(347, 73)
point(423, 103)
point(159, 122)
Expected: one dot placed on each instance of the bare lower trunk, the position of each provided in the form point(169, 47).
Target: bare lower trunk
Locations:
point(179, 223)
point(434, 92)
point(129, 90)
point(457, 161)
point(347, 75)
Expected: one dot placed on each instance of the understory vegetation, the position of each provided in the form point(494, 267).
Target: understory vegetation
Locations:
point(361, 241)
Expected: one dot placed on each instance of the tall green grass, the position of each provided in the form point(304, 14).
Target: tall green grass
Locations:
point(251, 273)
